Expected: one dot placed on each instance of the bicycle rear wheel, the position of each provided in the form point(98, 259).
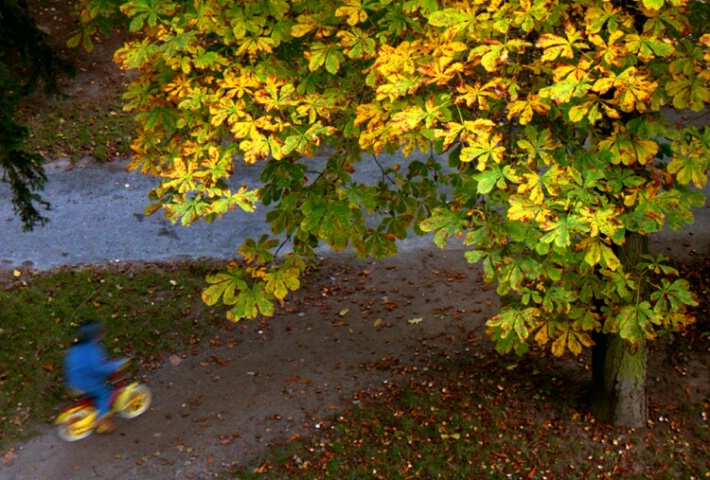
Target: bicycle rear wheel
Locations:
point(77, 424)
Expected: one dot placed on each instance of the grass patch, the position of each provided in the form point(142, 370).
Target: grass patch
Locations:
point(148, 311)
point(77, 128)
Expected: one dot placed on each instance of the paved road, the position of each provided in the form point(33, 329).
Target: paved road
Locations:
point(97, 217)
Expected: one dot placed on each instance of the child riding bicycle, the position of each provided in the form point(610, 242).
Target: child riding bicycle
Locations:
point(87, 369)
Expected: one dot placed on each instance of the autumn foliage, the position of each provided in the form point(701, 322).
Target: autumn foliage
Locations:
point(548, 115)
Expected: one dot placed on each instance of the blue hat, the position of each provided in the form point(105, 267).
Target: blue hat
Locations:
point(89, 330)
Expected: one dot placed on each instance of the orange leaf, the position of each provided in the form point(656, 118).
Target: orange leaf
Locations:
point(262, 468)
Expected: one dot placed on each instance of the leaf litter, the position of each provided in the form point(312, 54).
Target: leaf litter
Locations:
point(435, 392)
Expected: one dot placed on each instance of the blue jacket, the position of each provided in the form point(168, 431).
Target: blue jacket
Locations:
point(87, 368)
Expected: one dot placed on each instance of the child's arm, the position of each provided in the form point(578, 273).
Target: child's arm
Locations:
point(101, 364)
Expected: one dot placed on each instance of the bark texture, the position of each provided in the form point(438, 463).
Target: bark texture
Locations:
point(619, 382)
point(618, 368)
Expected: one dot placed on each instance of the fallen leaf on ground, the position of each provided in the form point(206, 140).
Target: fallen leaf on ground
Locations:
point(9, 457)
point(415, 321)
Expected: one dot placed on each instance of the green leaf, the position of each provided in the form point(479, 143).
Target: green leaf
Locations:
point(490, 179)
point(250, 302)
point(510, 329)
point(689, 168)
point(689, 92)
point(633, 323)
point(672, 297)
point(379, 244)
point(146, 11)
point(281, 281)
point(653, 4)
point(560, 231)
point(450, 16)
point(223, 285)
point(321, 54)
point(445, 223)
point(258, 252)
point(475, 256)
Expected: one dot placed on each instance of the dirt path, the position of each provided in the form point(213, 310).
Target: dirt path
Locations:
point(265, 383)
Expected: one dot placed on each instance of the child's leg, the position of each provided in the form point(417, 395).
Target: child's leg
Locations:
point(103, 405)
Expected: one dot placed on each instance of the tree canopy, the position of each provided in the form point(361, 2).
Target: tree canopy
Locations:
point(548, 114)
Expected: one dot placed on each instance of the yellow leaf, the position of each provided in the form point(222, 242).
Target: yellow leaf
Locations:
point(479, 127)
point(653, 5)
point(556, 46)
point(628, 149)
point(368, 111)
point(610, 52)
point(630, 198)
point(353, 10)
point(573, 344)
point(524, 109)
point(524, 210)
point(610, 259)
point(307, 23)
point(438, 71)
point(491, 56)
point(542, 337)
point(633, 90)
point(575, 73)
point(584, 338)
point(246, 128)
point(578, 112)
point(705, 40)
point(496, 56)
point(484, 149)
point(478, 94)
point(451, 134)
point(408, 119)
point(237, 84)
point(16, 273)
point(301, 29)
point(532, 184)
point(226, 109)
point(255, 148)
point(558, 346)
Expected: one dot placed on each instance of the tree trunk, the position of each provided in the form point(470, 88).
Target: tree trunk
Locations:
point(619, 382)
point(618, 369)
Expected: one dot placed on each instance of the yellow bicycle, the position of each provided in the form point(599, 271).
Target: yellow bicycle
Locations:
point(79, 420)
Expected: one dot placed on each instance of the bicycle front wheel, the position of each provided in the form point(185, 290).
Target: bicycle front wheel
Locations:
point(134, 401)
